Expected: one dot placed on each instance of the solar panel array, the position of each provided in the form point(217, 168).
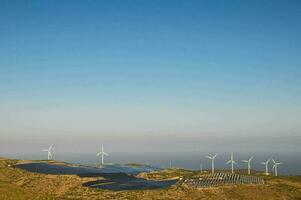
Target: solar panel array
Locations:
point(218, 179)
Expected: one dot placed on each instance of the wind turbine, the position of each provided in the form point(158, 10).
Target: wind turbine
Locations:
point(201, 166)
point(212, 162)
point(266, 163)
point(275, 166)
point(102, 153)
point(49, 152)
point(232, 163)
point(249, 164)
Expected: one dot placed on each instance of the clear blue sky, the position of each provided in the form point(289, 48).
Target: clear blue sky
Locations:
point(154, 73)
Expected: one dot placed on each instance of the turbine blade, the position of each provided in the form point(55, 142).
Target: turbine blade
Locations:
point(50, 147)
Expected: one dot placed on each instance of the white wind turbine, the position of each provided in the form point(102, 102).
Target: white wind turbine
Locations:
point(49, 152)
point(102, 153)
point(232, 163)
point(275, 167)
point(201, 166)
point(212, 162)
point(249, 164)
point(266, 163)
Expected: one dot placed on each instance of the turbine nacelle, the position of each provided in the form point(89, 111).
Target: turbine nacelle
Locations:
point(212, 161)
point(275, 166)
point(266, 163)
point(102, 153)
point(276, 163)
point(211, 157)
point(232, 162)
point(249, 163)
point(49, 152)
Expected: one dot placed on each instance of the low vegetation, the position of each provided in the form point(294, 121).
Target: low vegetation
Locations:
point(20, 184)
point(135, 165)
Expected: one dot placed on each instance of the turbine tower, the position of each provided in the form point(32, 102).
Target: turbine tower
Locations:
point(212, 162)
point(232, 163)
point(275, 167)
point(201, 166)
point(249, 164)
point(49, 152)
point(102, 153)
point(266, 163)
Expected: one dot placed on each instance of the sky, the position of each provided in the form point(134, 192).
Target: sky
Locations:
point(150, 75)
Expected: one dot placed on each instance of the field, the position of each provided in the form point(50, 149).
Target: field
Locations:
point(19, 184)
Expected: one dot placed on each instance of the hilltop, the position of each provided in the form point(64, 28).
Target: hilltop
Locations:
point(20, 184)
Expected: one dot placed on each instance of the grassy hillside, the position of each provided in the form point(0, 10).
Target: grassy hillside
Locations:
point(20, 184)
